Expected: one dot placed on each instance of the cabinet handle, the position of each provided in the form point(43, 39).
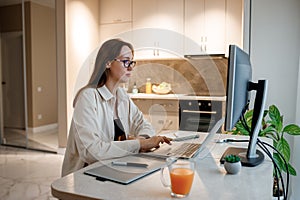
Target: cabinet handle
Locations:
point(166, 105)
point(117, 20)
point(200, 112)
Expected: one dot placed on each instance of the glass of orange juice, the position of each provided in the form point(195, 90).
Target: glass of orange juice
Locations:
point(181, 175)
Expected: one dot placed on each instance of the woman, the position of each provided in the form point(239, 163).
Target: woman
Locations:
point(106, 123)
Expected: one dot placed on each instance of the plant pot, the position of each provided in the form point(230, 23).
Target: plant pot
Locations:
point(232, 168)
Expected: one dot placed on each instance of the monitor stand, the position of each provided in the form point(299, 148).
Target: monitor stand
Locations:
point(242, 153)
point(250, 156)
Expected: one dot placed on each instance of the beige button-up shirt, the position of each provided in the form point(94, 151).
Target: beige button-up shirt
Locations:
point(91, 135)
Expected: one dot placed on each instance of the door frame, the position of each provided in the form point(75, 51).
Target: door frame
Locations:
point(24, 79)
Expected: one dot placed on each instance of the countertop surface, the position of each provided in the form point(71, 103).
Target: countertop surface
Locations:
point(211, 181)
point(175, 97)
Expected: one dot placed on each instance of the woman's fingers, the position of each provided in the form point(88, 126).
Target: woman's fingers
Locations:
point(165, 139)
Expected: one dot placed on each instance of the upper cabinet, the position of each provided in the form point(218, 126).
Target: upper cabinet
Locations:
point(161, 14)
point(211, 25)
point(234, 23)
point(115, 18)
point(173, 28)
point(205, 26)
point(115, 11)
point(158, 28)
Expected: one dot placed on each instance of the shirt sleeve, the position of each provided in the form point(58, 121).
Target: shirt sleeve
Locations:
point(91, 132)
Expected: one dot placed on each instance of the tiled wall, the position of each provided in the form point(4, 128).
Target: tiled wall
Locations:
point(204, 76)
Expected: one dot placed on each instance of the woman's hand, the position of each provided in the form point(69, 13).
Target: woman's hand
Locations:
point(152, 142)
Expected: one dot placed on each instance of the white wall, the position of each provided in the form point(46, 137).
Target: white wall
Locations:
point(82, 37)
point(275, 51)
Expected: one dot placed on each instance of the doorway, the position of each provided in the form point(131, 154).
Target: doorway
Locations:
point(28, 75)
point(13, 91)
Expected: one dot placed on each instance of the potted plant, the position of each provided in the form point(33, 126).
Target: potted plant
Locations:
point(273, 127)
point(232, 164)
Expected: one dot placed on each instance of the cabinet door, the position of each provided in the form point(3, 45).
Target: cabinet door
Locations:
point(215, 26)
point(116, 30)
point(164, 114)
point(205, 27)
point(234, 24)
point(194, 27)
point(115, 11)
point(144, 105)
point(161, 14)
point(158, 28)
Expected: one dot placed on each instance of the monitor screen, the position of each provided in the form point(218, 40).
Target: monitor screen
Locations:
point(239, 85)
point(239, 74)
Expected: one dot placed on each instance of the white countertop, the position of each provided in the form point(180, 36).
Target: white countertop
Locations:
point(175, 97)
point(210, 183)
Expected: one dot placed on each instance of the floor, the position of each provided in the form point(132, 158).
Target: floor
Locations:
point(27, 174)
point(46, 140)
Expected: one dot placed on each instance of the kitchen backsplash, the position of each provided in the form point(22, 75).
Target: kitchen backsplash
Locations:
point(203, 76)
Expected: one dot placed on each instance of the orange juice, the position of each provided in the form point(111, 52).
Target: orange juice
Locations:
point(148, 86)
point(181, 180)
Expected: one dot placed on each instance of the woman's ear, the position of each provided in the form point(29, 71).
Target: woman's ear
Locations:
point(108, 65)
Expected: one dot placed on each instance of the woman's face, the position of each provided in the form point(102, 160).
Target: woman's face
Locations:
point(119, 73)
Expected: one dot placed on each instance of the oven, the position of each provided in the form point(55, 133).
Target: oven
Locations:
point(199, 115)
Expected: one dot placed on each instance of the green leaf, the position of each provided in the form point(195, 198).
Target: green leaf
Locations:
point(281, 165)
point(284, 148)
point(267, 131)
point(292, 171)
point(292, 129)
point(241, 129)
point(279, 162)
point(275, 117)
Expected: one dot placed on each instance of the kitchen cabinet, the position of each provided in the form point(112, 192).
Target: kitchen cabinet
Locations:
point(180, 112)
point(205, 26)
point(234, 24)
point(158, 28)
point(173, 28)
point(115, 30)
point(161, 113)
point(115, 11)
point(115, 19)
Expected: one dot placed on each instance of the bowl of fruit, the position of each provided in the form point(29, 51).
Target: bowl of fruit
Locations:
point(163, 88)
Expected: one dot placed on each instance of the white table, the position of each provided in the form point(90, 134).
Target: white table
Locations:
point(211, 181)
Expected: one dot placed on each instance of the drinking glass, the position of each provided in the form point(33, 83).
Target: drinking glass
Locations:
point(181, 174)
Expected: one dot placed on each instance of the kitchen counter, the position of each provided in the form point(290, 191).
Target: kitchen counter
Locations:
point(176, 97)
point(211, 181)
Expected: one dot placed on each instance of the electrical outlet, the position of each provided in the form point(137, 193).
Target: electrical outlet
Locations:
point(40, 116)
point(39, 89)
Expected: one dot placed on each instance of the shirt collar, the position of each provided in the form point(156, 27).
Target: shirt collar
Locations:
point(107, 95)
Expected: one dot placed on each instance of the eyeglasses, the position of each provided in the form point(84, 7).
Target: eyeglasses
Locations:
point(126, 63)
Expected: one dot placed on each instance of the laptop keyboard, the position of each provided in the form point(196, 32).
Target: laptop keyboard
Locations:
point(184, 150)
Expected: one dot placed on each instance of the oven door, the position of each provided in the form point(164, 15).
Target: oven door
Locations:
point(199, 115)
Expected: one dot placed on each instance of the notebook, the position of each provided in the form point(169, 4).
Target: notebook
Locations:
point(186, 149)
point(126, 174)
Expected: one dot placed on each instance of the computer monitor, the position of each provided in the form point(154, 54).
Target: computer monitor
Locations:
point(239, 85)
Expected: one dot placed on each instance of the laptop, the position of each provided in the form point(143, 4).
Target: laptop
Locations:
point(147, 163)
point(186, 149)
point(140, 167)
